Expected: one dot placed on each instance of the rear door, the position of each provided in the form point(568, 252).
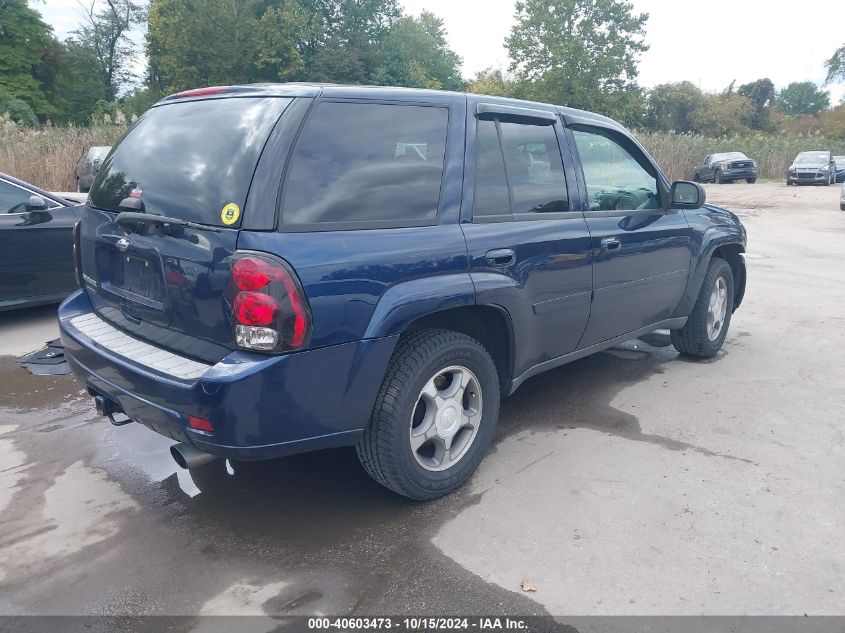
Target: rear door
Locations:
point(642, 253)
point(529, 251)
point(192, 160)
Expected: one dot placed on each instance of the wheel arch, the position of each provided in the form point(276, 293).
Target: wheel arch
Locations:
point(727, 247)
point(489, 325)
point(733, 254)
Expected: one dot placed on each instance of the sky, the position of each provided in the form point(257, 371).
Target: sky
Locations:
point(742, 40)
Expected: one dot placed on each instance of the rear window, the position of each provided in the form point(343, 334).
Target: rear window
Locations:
point(191, 160)
point(367, 162)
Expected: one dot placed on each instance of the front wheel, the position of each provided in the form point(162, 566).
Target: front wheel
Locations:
point(750, 181)
point(717, 178)
point(707, 326)
point(434, 416)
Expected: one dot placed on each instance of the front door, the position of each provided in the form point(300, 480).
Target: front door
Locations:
point(641, 253)
point(529, 253)
point(36, 256)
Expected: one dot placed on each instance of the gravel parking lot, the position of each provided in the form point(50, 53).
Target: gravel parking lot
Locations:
point(630, 482)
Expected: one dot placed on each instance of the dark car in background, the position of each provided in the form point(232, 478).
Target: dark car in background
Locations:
point(88, 165)
point(36, 244)
point(375, 267)
point(840, 168)
point(815, 167)
point(726, 167)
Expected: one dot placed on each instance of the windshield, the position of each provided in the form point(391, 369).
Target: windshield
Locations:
point(840, 161)
point(191, 160)
point(812, 158)
point(729, 156)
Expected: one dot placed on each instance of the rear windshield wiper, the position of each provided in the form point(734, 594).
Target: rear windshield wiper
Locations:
point(128, 219)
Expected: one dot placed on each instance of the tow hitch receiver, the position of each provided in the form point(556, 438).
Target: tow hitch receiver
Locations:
point(108, 408)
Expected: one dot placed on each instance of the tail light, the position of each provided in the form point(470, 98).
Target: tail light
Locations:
point(75, 254)
point(270, 311)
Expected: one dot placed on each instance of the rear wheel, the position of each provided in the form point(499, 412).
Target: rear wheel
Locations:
point(434, 416)
point(750, 181)
point(707, 326)
point(696, 177)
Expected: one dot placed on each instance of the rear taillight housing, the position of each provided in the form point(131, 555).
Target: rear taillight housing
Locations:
point(269, 308)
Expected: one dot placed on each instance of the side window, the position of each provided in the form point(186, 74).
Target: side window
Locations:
point(360, 162)
point(707, 160)
point(615, 179)
point(11, 197)
point(535, 169)
point(491, 182)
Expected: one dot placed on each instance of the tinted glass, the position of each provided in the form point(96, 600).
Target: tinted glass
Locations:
point(189, 160)
point(491, 183)
point(535, 170)
point(615, 179)
point(357, 162)
point(11, 197)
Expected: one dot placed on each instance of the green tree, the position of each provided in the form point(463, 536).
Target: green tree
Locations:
point(761, 94)
point(721, 115)
point(670, 106)
point(105, 32)
point(414, 53)
point(835, 66)
point(192, 43)
point(24, 41)
point(802, 97)
point(282, 37)
point(493, 82)
point(75, 89)
point(581, 53)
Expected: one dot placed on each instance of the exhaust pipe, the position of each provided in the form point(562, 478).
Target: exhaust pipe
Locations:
point(189, 457)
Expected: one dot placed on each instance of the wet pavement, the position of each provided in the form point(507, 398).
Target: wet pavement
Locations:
point(630, 482)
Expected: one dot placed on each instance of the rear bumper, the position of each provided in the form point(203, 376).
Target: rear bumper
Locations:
point(261, 406)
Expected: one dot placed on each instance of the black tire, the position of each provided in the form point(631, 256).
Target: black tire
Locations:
point(696, 177)
point(385, 450)
point(750, 181)
point(842, 206)
point(692, 339)
point(717, 177)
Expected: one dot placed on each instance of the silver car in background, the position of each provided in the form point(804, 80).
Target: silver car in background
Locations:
point(816, 167)
point(88, 164)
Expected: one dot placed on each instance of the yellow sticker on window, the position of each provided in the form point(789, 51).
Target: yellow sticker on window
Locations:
point(230, 214)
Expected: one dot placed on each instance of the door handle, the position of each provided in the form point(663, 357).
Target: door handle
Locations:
point(611, 244)
point(501, 257)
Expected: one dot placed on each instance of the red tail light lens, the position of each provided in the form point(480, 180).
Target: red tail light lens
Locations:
point(250, 273)
point(255, 308)
point(271, 311)
point(200, 424)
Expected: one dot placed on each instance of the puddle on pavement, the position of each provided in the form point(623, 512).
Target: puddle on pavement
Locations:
point(282, 536)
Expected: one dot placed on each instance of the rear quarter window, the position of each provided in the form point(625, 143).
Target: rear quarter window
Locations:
point(190, 159)
point(366, 163)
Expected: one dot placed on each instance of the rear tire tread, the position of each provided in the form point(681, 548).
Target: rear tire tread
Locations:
point(376, 451)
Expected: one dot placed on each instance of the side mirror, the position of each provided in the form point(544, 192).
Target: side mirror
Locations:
point(687, 195)
point(36, 203)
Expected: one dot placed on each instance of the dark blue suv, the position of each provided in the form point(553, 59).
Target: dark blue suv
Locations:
point(272, 269)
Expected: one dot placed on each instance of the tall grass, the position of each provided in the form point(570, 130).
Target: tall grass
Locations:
point(678, 154)
point(47, 156)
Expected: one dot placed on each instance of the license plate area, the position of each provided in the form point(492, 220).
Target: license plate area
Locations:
point(137, 275)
